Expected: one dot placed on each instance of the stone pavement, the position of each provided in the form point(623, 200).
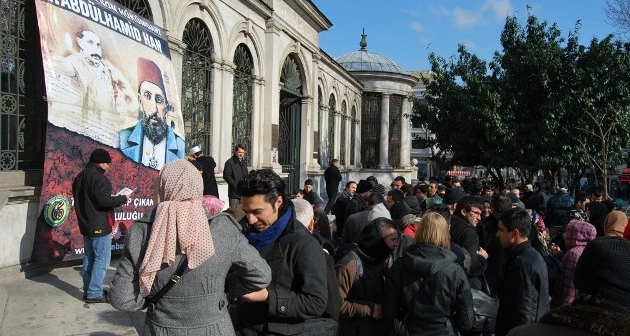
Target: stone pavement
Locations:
point(51, 304)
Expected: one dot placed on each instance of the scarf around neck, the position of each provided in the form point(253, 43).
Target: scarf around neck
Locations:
point(260, 240)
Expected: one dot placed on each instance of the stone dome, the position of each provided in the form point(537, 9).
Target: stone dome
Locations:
point(363, 60)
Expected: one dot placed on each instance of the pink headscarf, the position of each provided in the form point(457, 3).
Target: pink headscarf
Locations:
point(180, 218)
point(212, 204)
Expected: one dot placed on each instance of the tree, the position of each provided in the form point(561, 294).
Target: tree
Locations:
point(601, 95)
point(543, 103)
point(618, 13)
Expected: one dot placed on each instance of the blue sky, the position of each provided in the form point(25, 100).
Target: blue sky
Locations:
point(406, 31)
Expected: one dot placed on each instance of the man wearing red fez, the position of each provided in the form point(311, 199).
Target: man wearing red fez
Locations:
point(151, 141)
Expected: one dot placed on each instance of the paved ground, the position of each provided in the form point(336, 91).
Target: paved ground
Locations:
point(51, 304)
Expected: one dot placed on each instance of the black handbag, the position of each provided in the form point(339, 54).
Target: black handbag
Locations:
point(400, 325)
point(485, 306)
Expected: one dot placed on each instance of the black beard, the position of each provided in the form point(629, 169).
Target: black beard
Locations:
point(154, 132)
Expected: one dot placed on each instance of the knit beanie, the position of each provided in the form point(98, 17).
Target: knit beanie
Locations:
point(100, 155)
point(379, 188)
point(603, 270)
point(364, 186)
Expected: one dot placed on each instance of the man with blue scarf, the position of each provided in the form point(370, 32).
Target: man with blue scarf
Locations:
point(297, 294)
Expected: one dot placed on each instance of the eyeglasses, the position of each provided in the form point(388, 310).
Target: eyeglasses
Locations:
point(476, 212)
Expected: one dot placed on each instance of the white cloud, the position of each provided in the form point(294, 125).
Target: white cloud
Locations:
point(501, 9)
point(464, 18)
point(417, 26)
point(469, 44)
point(469, 18)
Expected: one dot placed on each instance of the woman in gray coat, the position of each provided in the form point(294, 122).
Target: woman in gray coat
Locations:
point(155, 246)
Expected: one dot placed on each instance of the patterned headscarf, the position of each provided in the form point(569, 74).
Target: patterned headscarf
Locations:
point(180, 218)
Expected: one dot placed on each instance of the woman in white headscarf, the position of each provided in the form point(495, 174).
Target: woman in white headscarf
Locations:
point(155, 246)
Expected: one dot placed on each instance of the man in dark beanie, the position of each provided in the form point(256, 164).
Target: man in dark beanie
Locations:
point(94, 205)
point(602, 278)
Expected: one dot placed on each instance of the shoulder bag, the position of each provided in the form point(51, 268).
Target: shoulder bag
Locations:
point(485, 306)
point(183, 264)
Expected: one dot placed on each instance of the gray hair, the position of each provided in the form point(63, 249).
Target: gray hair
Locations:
point(303, 211)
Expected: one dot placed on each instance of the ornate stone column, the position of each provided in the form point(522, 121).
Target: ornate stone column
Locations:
point(223, 110)
point(383, 158)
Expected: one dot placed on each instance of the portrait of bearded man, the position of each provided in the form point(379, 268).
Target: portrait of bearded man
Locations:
point(151, 141)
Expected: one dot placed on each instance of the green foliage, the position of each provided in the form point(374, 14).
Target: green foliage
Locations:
point(543, 103)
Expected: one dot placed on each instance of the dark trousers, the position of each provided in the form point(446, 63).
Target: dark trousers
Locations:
point(332, 197)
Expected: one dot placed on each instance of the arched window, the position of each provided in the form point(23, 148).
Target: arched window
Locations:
point(331, 127)
point(395, 118)
point(353, 134)
point(370, 129)
point(342, 134)
point(23, 112)
point(140, 7)
point(197, 85)
point(243, 92)
point(318, 144)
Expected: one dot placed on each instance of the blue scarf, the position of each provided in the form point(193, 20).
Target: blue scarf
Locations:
point(260, 240)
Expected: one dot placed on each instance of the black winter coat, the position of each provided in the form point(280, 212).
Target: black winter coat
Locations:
point(233, 172)
point(93, 201)
point(298, 288)
point(332, 176)
point(558, 207)
point(524, 291)
point(209, 181)
point(444, 298)
point(465, 235)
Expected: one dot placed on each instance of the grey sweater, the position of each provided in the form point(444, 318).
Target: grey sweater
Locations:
point(197, 304)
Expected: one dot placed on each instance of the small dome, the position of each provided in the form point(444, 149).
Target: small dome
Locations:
point(363, 60)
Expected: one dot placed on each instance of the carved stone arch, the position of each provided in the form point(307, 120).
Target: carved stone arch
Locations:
point(245, 33)
point(197, 84)
point(298, 55)
point(211, 18)
point(242, 102)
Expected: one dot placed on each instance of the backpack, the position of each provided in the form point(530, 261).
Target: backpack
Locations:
point(359, 264)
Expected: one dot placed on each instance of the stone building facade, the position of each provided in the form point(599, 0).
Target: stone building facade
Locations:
point(251, 72)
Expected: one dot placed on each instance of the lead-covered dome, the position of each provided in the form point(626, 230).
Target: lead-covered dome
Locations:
point(363, 60)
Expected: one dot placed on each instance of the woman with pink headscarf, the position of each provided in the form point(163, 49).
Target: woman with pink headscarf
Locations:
point(157, 244)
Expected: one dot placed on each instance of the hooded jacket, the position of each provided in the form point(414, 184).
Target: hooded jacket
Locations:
point(577, 235)
point(360, 294)
point(444, 301)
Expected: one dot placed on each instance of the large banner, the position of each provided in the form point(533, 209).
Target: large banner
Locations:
point(110, 84)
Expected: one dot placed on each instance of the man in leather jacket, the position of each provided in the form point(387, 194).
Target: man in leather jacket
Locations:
point(524, 290)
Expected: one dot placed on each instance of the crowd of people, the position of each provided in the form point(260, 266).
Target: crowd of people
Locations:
point(276, 265)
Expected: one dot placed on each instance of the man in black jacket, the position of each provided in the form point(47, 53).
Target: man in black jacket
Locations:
point(332, 176)
point(298, 293)
point(233, 171)
point(524, 290)
point(208, 167)
point(463, 222)
point(94, 205)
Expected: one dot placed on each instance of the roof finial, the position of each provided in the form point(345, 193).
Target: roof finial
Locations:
point(363, 42)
